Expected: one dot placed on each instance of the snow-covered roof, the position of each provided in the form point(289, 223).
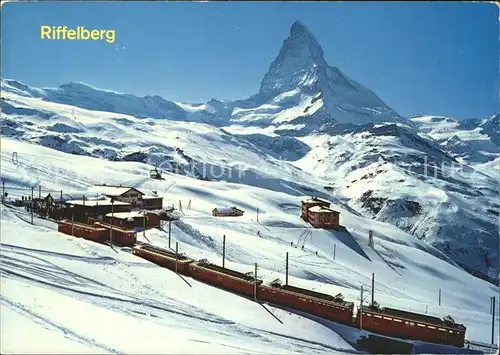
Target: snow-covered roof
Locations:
point(150, 197)
point(315, 200)
point(111, 190)
point(224, 209)
point(125, 215)
point(227, 209)
point(96, 202)
point(322, 209)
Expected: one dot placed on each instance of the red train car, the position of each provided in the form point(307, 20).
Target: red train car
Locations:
point(315, 303)
point(82, 230)
point(230, 280)
point(163, 258)
point(121, 236)
point(407, 325)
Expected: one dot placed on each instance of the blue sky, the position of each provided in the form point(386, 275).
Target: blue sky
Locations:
point(439, 58)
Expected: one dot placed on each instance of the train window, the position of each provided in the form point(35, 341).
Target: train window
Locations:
point(368, 314)
point(421, 325)
point(397, 320)
point(411, 323)
point(451, 331)
point(442, 329)
point(406, 322)
point(375, 315)
point(387, 318)
point(431, 327)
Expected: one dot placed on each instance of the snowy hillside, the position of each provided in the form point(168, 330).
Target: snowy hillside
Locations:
point(392, 174)
point(44, 271)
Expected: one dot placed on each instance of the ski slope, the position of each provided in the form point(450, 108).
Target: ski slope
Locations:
point(73, 295)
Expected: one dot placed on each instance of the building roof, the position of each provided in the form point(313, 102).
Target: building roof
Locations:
point(96, 202)
point(224, 209)
point(149, 197)
point(316, 200)
point(322, 209)
point(111, 190)
point(125, 215)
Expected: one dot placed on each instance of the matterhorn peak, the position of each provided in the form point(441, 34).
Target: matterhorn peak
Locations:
point(298, 29)
point(299, 54)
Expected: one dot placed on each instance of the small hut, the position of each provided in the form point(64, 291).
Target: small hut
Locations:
point(227, 212)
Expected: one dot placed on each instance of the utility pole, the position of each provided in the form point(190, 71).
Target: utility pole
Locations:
point(286, 270)
point(72, 222)
point(493, 321)
point(255, 284)
point(223, 250)
point(334, 247)
point(111, 227)
point(373, 287)
point(361, 310)
point(144, 226)
point(439, 298)
point(257, 214)
point(176, 257)
point(40, 191)
point(32, 204)
point(3, 190)
point(83, 199)
point(169, 230)
point(61, 204)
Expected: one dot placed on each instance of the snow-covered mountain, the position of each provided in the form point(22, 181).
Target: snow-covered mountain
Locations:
point(310, 130)
point(470, 141)
point(300, 88)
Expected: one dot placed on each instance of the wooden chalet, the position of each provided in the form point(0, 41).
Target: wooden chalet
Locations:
point(323, 217)
point(129, 195)
point(227, 211)
point(319, 214)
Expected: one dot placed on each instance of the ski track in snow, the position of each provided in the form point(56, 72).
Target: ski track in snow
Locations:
point(67, 332)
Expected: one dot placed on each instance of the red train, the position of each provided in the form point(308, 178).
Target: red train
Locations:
point(98, 232)
point(410, 325)
point(385, 321)
point(315, 303)
point(81, 230)
point(164, 258)
point(230, 280)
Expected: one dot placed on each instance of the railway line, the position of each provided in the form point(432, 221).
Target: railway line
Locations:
point(384, 321)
